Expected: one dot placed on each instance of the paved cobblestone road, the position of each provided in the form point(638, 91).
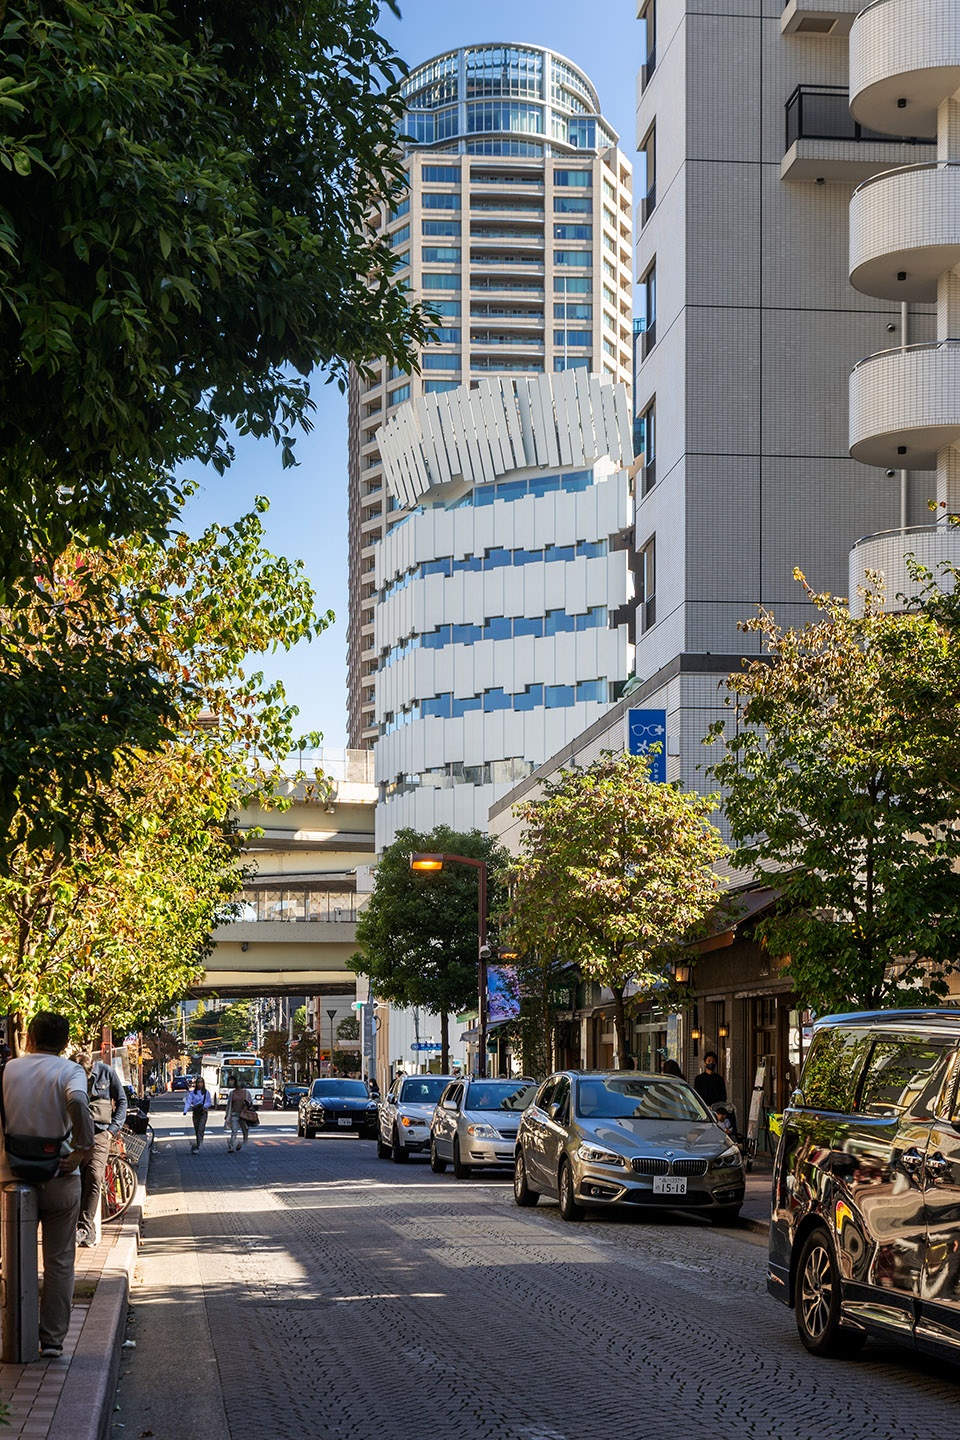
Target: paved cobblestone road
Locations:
point(319, 1292)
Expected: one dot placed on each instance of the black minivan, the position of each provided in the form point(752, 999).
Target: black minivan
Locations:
point(865, 1222)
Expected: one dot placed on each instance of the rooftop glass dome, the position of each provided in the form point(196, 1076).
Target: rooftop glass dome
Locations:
point(482, 98)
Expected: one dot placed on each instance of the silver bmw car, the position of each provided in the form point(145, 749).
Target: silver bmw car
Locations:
point(622, 1136)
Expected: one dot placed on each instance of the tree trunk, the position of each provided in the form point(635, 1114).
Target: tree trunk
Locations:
point(620, 1023)
point(444, 1043)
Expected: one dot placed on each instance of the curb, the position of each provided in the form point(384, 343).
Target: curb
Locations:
point(85, 1407)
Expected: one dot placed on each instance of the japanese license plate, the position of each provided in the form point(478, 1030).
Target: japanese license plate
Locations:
point(669, 1184)
point(347, 1122)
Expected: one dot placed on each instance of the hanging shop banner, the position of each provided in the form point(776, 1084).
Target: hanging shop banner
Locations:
point(646, 728)
point(503, 1001)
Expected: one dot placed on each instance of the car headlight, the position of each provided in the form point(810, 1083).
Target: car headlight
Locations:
point(597, 1155)
point(730, 1160)
point(409, 1120)
point(483, 1132)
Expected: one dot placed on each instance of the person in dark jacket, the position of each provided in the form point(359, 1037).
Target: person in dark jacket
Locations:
point(709, 1084)
point(108, 1106)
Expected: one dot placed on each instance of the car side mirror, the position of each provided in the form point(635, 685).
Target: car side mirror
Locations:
point(798, 1100)
point(449, 1105)
point(553, 1109)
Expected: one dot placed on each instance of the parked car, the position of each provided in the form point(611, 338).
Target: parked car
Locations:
point(337, 1105)
point(610, 1137)
point(865, 1224)
point(291, 1095)
point(405, 1115)
point(183, 1082)
point(475, 1124)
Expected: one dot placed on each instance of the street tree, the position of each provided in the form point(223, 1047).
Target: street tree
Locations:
point(121, 917)
point(418, 933)
point(840, 779)
point(614, 873)
point(183, 226)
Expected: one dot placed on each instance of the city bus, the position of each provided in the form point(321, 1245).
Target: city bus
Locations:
point(219, 1071)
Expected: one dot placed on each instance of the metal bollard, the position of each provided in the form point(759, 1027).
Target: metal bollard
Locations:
point(19, 1279)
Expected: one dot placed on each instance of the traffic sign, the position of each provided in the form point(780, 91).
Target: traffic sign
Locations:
point(428, 1046)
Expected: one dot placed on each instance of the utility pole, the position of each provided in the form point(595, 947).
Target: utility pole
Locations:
point(333, 1015)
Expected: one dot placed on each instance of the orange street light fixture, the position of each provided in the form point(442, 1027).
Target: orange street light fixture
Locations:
point(426, 862)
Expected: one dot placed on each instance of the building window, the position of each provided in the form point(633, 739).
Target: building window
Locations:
point(440, 282)
point(440, 227)
point(573, 204)
point(581, 178)
point(396, 397)
point(573, 232)
point(648, 584)
point(648, 42)
point(571, 257)
point(648, 174)
point(572, 284)
point(430, 361)
point(647, 445)
point(441, 174)
point(562, 338)
point(648, 290)
point(441, 255)
point(439, 200)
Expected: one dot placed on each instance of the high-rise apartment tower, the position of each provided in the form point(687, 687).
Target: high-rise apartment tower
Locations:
point(517, 228)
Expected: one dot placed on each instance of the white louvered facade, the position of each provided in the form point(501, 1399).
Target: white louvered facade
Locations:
point(500, 625)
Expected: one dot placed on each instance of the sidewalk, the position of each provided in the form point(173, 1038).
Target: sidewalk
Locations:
point(73, 1396)
point(755, 1214)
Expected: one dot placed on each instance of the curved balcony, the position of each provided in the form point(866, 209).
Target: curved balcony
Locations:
point(886, 554)
point(904, 61)
point(905, 222)
point(905, 405)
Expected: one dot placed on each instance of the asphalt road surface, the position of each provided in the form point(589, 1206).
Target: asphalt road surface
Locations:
point(304, 1290)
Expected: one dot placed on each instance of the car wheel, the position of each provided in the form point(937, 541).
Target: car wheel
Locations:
point(383, 1151)
point(300, 1128)
point(570, 1209)
point(399, 1153)
point(461, 1171)
point(818, 1300)
point(521, 1190)
point(310, 1132)
point(725, 1215)
point(438, 1166)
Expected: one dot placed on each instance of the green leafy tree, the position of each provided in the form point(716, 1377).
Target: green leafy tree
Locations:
point(276, 1047)
point(236, 1027)
point(117, 923)
point(614, 872)
point(184, 239)
point(418, 932)
point(840, 780)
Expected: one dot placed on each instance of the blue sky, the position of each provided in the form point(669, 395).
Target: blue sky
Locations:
point(308, 506)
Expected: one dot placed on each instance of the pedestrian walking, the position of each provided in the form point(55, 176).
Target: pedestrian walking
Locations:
point(710, 1084)
point(233, 1121)
point(108, 1106)
point(47, 1134)
point(196, 1104)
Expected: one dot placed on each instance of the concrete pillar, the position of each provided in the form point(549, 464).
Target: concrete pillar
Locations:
point(948, 130)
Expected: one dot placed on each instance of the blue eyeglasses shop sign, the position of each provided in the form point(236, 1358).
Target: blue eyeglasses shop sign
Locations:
point(646, 728)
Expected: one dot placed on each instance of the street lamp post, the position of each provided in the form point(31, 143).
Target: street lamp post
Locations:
point(435, 862)
point(332, 1014)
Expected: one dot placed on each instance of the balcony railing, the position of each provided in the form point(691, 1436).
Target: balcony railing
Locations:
point(822, 112)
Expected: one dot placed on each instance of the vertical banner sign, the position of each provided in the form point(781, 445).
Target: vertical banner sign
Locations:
point(368, 1030)
point(503, 1002)
point(644, 729)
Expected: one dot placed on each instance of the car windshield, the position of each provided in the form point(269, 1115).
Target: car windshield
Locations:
point(500, 1095)
point(638, 1098)
point(424, 1090)
point(339, 1087)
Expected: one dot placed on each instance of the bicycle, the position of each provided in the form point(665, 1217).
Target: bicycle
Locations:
point(119, 1177)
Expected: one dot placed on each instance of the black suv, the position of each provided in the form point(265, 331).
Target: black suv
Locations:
point(865, 1225)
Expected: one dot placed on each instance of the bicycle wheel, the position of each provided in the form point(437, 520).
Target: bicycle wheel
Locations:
point(119, 1188)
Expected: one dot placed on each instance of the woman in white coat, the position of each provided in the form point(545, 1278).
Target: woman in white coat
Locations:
point(196, 1104)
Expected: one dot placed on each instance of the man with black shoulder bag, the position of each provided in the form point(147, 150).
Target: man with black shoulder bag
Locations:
point(47, 1134)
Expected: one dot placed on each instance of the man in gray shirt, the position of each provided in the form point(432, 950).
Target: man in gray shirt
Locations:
point(45, 1095)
